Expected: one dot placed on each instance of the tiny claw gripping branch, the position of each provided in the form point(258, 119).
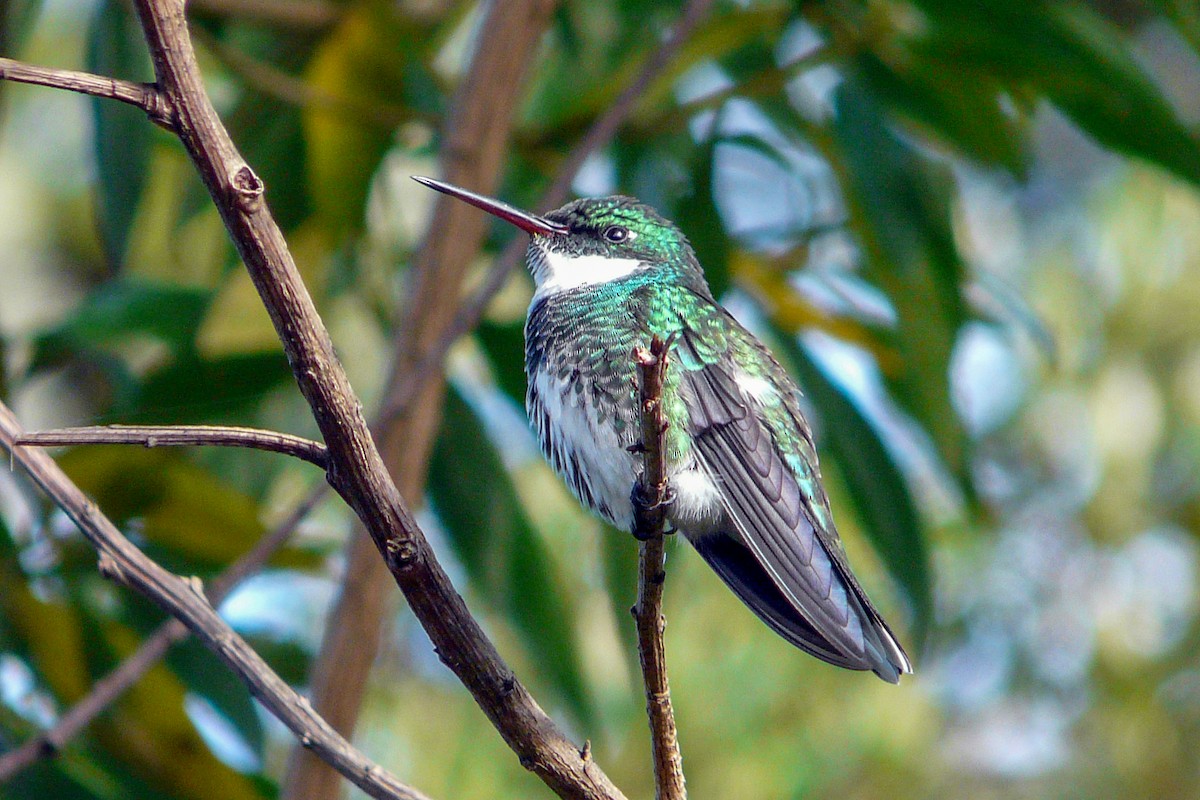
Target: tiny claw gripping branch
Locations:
point(651, 497)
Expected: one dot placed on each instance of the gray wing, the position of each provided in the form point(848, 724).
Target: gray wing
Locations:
point(792, 573)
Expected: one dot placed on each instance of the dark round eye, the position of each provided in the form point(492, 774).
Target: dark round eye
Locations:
point(617, 234)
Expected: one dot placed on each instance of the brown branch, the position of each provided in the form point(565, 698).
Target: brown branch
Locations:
point(184, 599)
point(108, 689)
point(651, 497)
point(142, 95)
point(473, 147)
point(183, 436)
point(104, 692)
point(305, 14)
point(356, 470)
point(597, 137)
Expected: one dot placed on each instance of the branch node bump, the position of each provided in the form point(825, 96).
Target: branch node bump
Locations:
point(196, 585)
point(248, 189)
point(110, 568)
point(158, 108)
point(401, 553)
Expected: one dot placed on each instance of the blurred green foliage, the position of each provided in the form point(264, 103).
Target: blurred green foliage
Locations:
point(907, 197)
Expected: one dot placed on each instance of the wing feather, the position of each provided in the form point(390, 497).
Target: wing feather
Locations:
point(764, 499)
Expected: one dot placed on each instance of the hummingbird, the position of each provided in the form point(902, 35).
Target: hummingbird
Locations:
point(746, 491)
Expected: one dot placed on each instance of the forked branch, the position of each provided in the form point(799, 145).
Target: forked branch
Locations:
point(184, 599)
point(355, 468)
point(145, 96)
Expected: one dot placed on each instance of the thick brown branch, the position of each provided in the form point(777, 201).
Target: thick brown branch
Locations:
point(652, 496)
point(121, 561)
point(472, 152)
point(109, 688)
point(183, 436)
point(143, 95)
point(356, 469)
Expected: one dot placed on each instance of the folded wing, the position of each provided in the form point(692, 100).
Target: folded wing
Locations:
point(781, 563)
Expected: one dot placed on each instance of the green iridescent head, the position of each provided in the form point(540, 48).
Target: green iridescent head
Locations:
point(592, 240)
point(614, 227)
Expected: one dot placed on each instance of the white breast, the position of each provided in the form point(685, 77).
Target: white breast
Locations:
point(587, 455)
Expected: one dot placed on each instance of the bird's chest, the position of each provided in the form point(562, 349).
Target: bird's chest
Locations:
point(582, 406)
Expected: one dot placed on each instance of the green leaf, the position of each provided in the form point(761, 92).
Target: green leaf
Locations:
point(190, 519)
point(271, 135)
point(371, 63)
point(619, 555)
point(206, 390)
point(504, 556)
point(875, 482)
point(1069, 54)
point(699, 219)
point(900, 209)
point(49, 633)
point(961, 106)
point(505, 347)
point(123, 134)
point(149, 731)
point(16, 20)
point(121, 309)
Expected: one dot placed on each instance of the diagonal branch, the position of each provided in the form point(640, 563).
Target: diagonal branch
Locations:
point(108, 689)
point(183, 436)
point(184, 599)
point(651, 497)
point(356, 470)
point(472, 149)
point(145, 96)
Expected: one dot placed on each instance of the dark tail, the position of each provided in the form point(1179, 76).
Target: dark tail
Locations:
point(743, 573)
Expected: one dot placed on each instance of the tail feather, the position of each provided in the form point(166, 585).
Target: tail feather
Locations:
point(743, 573)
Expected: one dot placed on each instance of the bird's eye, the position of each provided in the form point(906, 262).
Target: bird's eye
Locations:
point(617, 234)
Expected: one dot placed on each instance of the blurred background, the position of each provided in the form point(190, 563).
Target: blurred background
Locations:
point(970, 228)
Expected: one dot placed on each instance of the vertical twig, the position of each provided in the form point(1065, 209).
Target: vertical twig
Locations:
point(652, 495)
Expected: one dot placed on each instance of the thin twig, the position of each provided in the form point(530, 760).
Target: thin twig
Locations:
point(183, 436)
point(104, 692)
point(184, 599)
point(305, 14)
point(598, 136)
point(651, 498)
point(142, 95)
point(108, 689)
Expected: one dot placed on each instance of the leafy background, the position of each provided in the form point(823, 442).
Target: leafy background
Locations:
point(970, 228)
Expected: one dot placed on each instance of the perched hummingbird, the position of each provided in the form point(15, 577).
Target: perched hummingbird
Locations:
point(609, 274)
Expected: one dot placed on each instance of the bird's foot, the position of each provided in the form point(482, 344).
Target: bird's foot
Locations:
point(640, 497)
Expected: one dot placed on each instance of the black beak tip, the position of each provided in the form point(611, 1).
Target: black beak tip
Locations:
point(430, 182)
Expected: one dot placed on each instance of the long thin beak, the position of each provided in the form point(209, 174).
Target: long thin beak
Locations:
point(530, 223)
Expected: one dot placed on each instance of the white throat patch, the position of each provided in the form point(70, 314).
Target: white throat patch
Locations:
point(560, 272)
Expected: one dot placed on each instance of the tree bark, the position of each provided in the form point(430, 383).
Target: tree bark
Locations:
point(476, 139)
